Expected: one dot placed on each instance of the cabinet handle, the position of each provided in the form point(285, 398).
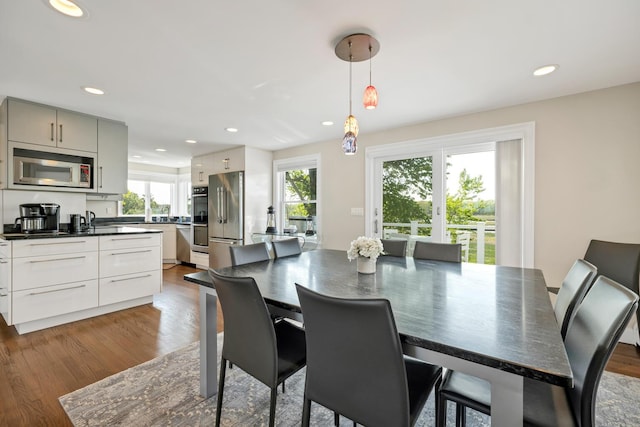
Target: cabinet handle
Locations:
point(3, 295)
point(200, 176)
point(52, 131)
point(131, 252)
point(57, 290)
point(56, 259)
point(58, 243)
point(4, 262)
point(100, 177)
point(130, 238)
point(130, 278)
point(60, 133)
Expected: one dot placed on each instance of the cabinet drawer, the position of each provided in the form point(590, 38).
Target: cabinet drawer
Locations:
point(117, 262)
point(5, 249)
point(48, 270)
point(130, 241)
point(57, 246)
point(51, 301)
point(123, 288)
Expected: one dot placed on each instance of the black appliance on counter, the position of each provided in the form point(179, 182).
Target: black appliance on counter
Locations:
point(200, 219)
point(39, 218)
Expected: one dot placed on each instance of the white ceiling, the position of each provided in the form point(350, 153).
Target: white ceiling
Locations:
point(177, 70)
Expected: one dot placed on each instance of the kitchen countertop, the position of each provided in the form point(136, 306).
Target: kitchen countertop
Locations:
point(98, 231)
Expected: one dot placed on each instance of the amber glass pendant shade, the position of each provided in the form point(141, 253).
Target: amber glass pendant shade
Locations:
point(351, 125)
point(370, 98)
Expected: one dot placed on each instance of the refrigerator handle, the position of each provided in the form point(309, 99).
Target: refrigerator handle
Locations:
point(219, 204)
point(225, 202)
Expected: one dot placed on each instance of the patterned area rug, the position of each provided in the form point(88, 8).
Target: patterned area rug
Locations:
point(164, 392)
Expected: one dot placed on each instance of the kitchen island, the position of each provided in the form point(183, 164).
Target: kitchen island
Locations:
point(51, 279)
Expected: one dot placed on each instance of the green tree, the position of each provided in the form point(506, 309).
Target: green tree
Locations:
point(461, 206)
point(132, 204)
point(404, 183)
point(301, 185)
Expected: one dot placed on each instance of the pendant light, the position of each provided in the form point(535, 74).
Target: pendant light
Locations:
point(370, 98)
point(355, 48)
point(351, 124)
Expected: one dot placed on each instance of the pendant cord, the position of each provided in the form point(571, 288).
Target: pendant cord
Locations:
point(369, 65)
point(350, 78)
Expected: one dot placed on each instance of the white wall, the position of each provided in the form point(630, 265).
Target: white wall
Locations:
point(587, 175)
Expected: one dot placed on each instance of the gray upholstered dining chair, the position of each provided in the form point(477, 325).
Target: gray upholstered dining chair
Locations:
point(394, 247)
point(269, 352)
point(574, 287)
point(618, 261)
point(451, 252)
point(249, 253)
point(287, 247)
point(355, 365)
point(591, 338)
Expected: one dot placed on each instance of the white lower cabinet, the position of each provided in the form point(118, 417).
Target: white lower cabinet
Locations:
point(49, 301)
point(50, 281)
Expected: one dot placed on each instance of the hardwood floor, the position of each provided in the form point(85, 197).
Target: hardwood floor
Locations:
point(39, 367)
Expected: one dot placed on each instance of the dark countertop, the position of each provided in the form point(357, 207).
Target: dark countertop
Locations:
point(98, 231)
point(494, 315)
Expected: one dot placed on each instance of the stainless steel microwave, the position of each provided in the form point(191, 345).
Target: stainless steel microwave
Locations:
point(32, 167)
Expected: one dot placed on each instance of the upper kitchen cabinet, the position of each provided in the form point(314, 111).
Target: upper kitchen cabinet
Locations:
point(39, 124)
point(229, 160)
point(201, 168)
point(113, 147)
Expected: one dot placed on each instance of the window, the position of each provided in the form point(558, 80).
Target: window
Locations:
point(161, 194)
point(296, 194)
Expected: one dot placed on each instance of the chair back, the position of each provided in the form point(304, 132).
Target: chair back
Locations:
point(464, 238)
point(574, 287)
point(287, 247)
point(451, 252)
point(249, 253)
point(617, 261)
point(355, 364)
point(249, 337)
point(394, 247)
point(591, 338)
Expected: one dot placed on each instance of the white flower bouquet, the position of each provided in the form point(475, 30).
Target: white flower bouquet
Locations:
point(368, 247)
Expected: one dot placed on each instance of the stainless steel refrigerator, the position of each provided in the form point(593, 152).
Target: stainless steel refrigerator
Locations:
point(226, 215)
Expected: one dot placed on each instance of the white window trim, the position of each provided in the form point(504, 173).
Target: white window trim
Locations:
point(302, 162)
point(449, 143)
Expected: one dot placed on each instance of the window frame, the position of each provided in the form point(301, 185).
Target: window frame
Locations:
point(281, 166)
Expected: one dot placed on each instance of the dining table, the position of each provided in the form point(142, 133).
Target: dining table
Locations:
point(493, 322)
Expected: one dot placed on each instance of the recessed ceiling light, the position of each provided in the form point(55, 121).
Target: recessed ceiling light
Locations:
point(67, 7)
point(232, 130)
point(162, 150)
point(190, 141)
point(93, 90)
point(136, 157)
point(544, 70)
point(327, 123)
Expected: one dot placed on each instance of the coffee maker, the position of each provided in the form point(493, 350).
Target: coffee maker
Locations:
point(39, 217)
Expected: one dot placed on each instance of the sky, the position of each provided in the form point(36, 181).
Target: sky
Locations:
point(482, 163)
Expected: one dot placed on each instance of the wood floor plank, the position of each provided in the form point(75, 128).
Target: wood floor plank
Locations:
point(39, 367)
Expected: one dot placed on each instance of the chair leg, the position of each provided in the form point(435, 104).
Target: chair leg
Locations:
point(223, 369)
point(441, 410)
point(283, 387)
point(461, 415)
point(306, 412)
point(336, 419)
point(272, 407)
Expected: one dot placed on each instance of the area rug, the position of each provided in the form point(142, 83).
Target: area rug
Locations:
point(165, 392)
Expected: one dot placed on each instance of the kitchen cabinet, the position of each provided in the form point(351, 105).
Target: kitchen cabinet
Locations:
point(201, 168)
point(5, 280)
point(169, 240)
point(113, 144)
point(229, 160)
point(39, 124)
point(50, 281)
point(130, 267)
point(52, 277)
